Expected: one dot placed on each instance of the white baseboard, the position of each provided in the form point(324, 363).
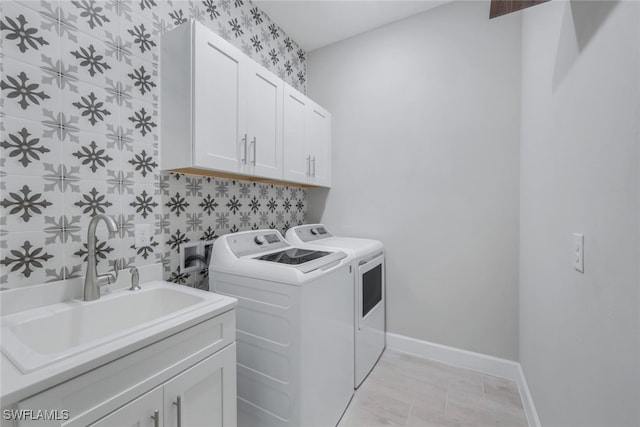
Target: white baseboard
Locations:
point(527, 399)
point(483, 363)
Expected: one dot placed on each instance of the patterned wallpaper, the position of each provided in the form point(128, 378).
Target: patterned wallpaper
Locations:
point(80, 131)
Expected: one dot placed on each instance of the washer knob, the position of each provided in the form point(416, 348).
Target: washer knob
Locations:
point(314, 231)
point(260, 240)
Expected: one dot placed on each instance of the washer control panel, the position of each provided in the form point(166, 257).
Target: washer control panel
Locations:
point(253, 242)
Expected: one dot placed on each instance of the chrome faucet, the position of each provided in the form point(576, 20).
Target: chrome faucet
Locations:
point(93, 280)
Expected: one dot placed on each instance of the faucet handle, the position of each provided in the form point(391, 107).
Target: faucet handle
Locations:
point(117, 266)
point(110, 278)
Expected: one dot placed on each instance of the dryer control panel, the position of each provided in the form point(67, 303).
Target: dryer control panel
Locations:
point(253, 242)
point(312, 232)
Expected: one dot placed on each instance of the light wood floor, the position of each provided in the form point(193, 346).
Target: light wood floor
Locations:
point(405, 390)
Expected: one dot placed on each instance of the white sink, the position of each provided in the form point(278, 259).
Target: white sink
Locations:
point(36, 338)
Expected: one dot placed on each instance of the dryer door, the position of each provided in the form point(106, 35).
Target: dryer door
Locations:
point(370, 315)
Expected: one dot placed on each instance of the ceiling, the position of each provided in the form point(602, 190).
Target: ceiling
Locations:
point(317, 23)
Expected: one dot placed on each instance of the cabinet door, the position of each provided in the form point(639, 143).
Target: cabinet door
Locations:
point(204, 395)
point(145, 411)
point(319, 144)
point(264, 121)
point(296, 156)
point(219, 103)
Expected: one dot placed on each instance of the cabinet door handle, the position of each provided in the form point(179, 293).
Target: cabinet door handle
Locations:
point(244, 144)
point(156, 418)
point(253, 162)
point(314, 166)
point(309, 165)
point(178, 404)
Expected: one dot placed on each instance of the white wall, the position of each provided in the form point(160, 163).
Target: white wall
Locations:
point(425, 158)
point(579, 333)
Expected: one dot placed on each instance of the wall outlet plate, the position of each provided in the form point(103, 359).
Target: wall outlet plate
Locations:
point(142, 234)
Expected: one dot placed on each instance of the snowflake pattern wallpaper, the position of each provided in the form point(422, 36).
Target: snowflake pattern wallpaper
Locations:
point(80, 125)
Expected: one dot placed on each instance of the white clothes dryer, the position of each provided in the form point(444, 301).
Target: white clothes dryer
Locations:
point(369, 290)
point(294, 328)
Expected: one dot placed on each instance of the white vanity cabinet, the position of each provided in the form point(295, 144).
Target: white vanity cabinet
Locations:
point(204, 395)
point(307, 140)
point(142, 412)
point(197, 397)
point(221, 111)
point(187, 379)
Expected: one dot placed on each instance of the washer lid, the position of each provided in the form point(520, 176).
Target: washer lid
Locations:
point(293, 256)
point(305, 236)
point(305, 260)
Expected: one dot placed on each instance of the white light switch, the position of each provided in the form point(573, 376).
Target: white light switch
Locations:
point(578, 252)
point(142, 235)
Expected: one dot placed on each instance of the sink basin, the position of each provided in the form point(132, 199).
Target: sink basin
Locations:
point(82, 323)
point(39, 337)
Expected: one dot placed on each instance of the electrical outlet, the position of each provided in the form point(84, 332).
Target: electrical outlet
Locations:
point(142, 235)
point(578, 252)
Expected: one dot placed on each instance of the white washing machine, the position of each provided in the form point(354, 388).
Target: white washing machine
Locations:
point(369, 288)
point(294, 325)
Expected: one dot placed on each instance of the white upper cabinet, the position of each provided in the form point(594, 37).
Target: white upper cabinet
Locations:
point(223, 112)
point(219, 101)
point(296, 155)
point(319, 137)
point(307, 140)
point(264, 122)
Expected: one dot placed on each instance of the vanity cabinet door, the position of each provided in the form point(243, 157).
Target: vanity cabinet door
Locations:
point(145, 411)
point(204, 395)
